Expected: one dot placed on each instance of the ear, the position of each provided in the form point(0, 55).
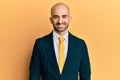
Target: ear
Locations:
point(50, 18)
point(70, 18)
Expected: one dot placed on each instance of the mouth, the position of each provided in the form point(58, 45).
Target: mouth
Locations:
point(60, 23)
point(61, 26)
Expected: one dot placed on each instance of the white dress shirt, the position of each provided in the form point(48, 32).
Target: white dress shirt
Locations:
point(56, 44)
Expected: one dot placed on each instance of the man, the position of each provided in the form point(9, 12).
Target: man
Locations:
point(60, 59)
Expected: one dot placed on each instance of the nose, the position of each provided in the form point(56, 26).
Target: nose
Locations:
point(60, 20)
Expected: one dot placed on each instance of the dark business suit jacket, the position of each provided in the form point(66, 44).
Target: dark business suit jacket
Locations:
point(44, 62)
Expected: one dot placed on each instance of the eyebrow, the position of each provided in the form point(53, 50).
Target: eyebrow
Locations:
point(64, 16)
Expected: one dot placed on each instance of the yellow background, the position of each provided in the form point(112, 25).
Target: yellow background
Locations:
point(96, 21)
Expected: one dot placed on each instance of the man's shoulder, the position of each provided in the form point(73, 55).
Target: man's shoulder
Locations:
point(79, 41)
point(45, 37)
point(76, 38)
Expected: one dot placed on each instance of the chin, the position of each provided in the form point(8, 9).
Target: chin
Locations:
point(62, 30)
point(58, 29)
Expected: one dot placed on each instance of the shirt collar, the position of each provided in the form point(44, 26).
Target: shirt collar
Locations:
point(56, 35)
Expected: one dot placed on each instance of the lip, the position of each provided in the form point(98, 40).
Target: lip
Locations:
point(61, 25)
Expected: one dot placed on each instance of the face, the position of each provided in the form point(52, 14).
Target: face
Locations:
point(60, 18)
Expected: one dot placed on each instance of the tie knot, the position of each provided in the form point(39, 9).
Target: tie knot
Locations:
point(61, 39)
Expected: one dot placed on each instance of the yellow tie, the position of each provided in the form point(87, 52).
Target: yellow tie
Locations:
point(61, 54)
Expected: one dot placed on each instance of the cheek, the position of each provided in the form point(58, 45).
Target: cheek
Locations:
point(67, 20)
point(54, 21)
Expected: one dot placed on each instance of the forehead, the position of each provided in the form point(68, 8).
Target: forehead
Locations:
point(59, 10)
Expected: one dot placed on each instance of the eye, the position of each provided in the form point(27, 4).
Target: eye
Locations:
point(55, 16)
point(64, 16)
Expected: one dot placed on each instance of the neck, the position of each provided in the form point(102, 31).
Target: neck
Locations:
point(62, 33)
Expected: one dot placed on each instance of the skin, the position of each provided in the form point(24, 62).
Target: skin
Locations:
point(60, 18)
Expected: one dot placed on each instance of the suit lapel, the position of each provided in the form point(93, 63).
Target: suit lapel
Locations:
point(52, 61)
point(71, 46)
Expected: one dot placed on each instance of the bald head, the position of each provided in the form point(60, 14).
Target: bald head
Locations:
point(57, 6)
point(60, 18)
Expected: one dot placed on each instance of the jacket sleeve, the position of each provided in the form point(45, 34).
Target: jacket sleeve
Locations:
point(35, 64)
point(85, 70)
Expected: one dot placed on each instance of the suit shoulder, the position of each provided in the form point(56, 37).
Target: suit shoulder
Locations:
point(77, 38)
point(43, 37)
point(80, 42)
